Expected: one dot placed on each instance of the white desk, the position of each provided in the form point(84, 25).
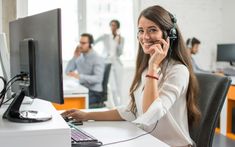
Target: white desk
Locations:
point(112, 131)
point(233, 80)
point(73, 89)
point(56, 132)
point(53, 133)
point(223, 114)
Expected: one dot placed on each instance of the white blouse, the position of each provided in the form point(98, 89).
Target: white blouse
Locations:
point(169, 109)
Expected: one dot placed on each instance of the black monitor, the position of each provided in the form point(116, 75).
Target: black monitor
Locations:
point(226, 52)
point(35, 56)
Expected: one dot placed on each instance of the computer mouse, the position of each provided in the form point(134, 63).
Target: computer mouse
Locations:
point(75, 122)
point(67, 119)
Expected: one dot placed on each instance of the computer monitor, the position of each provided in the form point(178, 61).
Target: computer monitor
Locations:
point(35, 51)
point(226, 52)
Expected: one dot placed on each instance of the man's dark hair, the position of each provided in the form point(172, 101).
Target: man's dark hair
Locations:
point(195, 41)
point(115, 21)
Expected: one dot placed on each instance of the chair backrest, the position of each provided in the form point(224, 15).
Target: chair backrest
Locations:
point(105, 81)
point(212, 94)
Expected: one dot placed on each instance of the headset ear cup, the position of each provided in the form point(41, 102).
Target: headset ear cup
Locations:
point(173, 34)
point(189, 45)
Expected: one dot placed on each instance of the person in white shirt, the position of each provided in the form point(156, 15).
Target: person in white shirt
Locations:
point(163, 92)
point(113, 49)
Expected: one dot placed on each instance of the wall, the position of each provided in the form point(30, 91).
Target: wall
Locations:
point(208, 20)
point(8, 14)
point(0, 16)
point(228, 21)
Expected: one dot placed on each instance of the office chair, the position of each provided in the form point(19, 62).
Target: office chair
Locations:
point(104, 94)
point(212, 94)
point(105, 81)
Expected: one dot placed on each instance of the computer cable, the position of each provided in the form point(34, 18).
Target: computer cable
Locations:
point(6, 86)
point(3, 91)
point(125, 140)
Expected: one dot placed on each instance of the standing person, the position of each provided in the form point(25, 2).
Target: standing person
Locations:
point(113, 48)
point(164, 90)
point(88, 67)
point(193, 46)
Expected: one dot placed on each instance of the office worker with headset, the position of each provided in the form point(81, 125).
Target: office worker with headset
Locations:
point(193, 46)
point(113, 49)
point(163, 92)
point(88, 67)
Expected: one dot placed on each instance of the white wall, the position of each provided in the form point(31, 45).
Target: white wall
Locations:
point(210, 21)
point(228, 21)
point(21, 8)
point(0, 15)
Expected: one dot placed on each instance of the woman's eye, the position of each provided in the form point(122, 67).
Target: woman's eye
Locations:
point(152, 30)
point(140, 31)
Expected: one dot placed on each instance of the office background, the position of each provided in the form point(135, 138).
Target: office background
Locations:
point(209, 20)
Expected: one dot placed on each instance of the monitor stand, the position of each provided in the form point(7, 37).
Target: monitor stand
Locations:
point(231, 63)
point(14, 114)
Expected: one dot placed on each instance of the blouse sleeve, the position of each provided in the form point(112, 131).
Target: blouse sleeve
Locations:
point(175, 84)
point(125, 113)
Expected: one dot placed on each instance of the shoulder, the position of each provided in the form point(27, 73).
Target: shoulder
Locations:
point(178, 69)
point(98, 58)
point(177, 73)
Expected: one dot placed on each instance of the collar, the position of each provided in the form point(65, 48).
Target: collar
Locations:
point(89, 53)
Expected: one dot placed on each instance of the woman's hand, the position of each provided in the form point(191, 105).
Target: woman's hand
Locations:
point(158, 53)
point(76, 114)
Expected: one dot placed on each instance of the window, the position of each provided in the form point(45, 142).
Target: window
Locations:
point(69, 16)
point(79, 16)
point(98, 15)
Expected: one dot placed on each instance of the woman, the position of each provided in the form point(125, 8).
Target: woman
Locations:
point(163, 92)
point(113, 49)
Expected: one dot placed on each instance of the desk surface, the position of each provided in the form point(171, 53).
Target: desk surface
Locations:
point(233, 80)
point(71, 86)
point(54, 132)
point(113, 131)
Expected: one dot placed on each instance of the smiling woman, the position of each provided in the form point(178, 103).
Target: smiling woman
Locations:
point(163, 92)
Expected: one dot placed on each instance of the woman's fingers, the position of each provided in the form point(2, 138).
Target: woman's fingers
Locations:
point(66, 113)
point(166, 44)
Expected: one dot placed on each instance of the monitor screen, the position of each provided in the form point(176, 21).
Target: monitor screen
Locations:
point(44, 30)
point(226, 52)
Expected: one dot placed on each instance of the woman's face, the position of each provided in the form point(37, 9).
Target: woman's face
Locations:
point(148, 34)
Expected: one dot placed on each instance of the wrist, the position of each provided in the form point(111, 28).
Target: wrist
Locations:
point(156, 71)
point(88, 116)
point(152, 69)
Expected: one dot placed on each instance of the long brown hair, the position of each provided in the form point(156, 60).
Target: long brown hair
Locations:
point(179, 53)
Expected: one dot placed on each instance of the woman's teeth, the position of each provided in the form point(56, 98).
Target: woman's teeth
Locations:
point(148, 44)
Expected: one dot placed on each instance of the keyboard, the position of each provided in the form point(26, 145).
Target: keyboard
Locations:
point(79, 135)
point(81, 138)
point(229, 71)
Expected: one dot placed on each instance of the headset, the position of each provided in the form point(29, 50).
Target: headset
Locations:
point(172, 33)
point(90, 38)
point(189, 43)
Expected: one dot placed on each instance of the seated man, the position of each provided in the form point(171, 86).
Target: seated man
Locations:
point(193, 46)
point(88, 67)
